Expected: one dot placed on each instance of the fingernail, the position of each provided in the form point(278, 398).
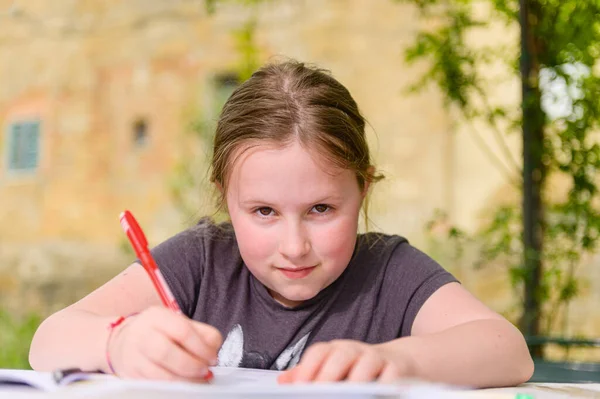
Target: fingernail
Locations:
point(204, 372)
point(209, 375)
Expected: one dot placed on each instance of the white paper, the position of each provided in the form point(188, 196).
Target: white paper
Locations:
point(233, 376)
point(229, 383)
point(234, 383)
point(43, 381)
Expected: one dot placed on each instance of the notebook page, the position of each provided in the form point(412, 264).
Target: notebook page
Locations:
point(234, 383)
point(233, 376)
point(34, 379)
point(44, 381)
point(229, 383)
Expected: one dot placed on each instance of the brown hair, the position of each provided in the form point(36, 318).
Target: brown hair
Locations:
point(289, 101)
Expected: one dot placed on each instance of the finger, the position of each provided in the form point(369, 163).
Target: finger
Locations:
point(311, 362)
point(367, 368)
point(288, 376)
point(337, 365)
point(210, 335)
point(154, 371)
point(172, 357)
point(390, 374)
point(184, 332)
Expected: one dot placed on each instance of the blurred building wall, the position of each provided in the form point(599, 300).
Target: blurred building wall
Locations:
point(115, 85)
point(90, 71)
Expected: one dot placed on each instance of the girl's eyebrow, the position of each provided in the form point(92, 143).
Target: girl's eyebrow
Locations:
point(254, 202)
point(257, 201)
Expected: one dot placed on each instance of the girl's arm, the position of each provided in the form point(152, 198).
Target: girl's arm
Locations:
point(455, 339)
point(157, 343)
point(77, 335)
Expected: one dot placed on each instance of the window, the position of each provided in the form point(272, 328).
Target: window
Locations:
point(225, 84)
point(221, 86)
point(140, 132)
point(23, 146)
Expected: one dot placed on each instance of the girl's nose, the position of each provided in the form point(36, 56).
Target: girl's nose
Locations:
point(294, 243)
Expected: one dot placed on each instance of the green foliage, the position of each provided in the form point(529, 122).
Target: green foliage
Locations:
point(16, 334)
point(211, 5)
point(125, 248)
point(246, 47)
point(566, 35)
point(452, 63)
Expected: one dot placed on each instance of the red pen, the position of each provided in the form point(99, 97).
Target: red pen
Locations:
point(140, 246)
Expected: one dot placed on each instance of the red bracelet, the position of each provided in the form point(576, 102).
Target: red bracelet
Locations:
point(111, 328)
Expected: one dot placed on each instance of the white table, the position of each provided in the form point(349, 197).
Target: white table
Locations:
point(538, 391)
point(231, 383)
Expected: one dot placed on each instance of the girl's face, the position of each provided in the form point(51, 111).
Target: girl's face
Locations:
point(295, 219)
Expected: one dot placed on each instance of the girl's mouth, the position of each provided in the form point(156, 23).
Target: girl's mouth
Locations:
point(297, 273)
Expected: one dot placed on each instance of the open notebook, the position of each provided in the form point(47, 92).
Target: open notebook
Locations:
point(228, 383)
point(48, 381)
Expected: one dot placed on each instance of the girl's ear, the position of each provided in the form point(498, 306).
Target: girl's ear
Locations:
point(219, 187)
point(370, 173)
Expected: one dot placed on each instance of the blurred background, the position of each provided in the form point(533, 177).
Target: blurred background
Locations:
point(108, 105)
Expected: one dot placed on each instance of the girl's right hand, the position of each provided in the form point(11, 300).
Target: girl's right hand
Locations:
point(160, 344)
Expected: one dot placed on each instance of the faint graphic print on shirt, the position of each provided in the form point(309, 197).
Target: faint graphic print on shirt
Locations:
point(232, 353)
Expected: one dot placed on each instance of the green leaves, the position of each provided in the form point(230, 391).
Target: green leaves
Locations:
point(565, 46)
point(452, 63)
point(15, 337)
point(246, 47)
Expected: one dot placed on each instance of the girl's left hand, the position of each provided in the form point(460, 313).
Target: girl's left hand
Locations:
point(349, 361)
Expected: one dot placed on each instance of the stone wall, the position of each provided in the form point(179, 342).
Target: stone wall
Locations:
point(90, 71)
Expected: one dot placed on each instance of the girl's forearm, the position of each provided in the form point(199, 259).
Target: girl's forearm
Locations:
point(481, 353)
point(70, 338)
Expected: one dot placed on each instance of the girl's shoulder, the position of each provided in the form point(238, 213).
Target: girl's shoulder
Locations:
point(189, 257)
point(405, 276)
point(376, 242)
point(205, 238)
point(393, 249)
point(210, 230)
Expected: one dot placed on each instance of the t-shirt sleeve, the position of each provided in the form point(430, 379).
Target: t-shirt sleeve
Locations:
point(421, 276)
point(181, 261)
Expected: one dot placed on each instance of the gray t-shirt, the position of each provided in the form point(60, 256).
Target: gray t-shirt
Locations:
point(375, 299)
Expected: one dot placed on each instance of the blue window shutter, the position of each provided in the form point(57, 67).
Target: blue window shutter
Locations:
point(14, 146)
point(23, 151)
point(31, 144)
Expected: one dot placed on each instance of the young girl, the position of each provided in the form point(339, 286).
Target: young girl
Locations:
point(289, 284)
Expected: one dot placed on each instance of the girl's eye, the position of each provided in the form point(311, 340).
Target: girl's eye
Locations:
point(265, 211)
point(321, 208)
